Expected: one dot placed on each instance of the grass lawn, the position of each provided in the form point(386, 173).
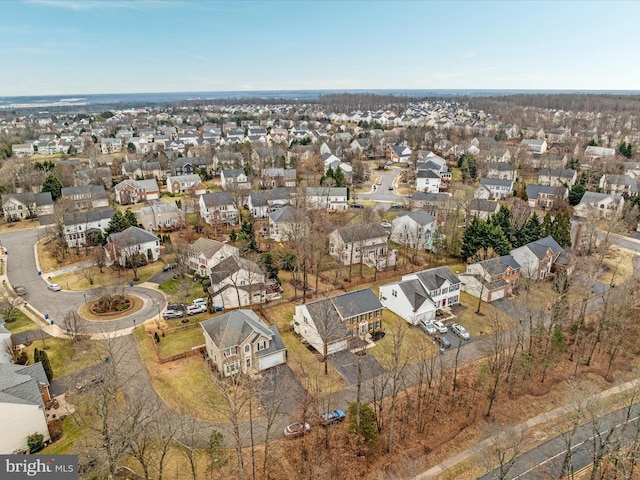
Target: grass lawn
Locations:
point(77, 281)
point(619, 267)
point(413, 340)
point(22, 323)
point(185, 385)
point(180, 341)
point(308, 369)
point(64, 358)
point(489, 320)
point(281, 315)
point(6, 227)
point(72, 432)
point(456, 174)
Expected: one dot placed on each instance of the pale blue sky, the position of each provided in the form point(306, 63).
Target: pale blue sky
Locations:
point(118, 46)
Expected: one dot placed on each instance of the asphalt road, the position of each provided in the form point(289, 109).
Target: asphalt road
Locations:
point(382, 193)
point(546, 461)
point(21, 270)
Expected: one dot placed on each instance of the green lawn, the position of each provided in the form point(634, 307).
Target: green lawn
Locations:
point(72, 432)
point(64, 358)
point(281, 315)
point(22, 323)
point(181, 341)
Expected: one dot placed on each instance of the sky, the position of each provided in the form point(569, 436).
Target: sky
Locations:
point(51, 47)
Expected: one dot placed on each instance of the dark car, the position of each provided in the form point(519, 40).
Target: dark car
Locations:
point(169, 266)
point(397, 206)
point(177, 306)
point(443, 342)
point(356, 205)
point(334, 416)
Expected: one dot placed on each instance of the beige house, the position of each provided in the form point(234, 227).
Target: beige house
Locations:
point(239, 341)
point(204, 254)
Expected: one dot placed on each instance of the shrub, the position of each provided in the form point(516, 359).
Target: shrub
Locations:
point(35, 442)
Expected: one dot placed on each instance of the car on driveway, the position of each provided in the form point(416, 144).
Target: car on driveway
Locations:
point(442, 328)
point(200, 301)
point(172, 314)
point(20, 290)
point(386, 225)
point(356, 205)
point(443, 341)
point(195, 309)
point(460, 331)
point(397, 206)
point(334, 416)
point(296, 429)
point(54, 287)
point(429, 327)
point(169, 266)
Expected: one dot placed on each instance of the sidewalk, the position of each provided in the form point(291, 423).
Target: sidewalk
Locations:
point(479, 448)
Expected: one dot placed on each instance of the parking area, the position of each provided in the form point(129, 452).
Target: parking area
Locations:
point(453, 339)
point(346, 363)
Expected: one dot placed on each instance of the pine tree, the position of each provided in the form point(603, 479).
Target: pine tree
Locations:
point(338, 177)
point(130, 218)
point(576, 193)
point(547, 226)
point(502, 219)
point(46, 364)
point(117, 224)
point(497, 240)
point(562, 229)
point(36, 355)
point(52, 184)
point(472, 237)
point(530, 232)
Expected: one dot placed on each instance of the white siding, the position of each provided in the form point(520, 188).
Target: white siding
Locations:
point(271, 360)
point(18, 422)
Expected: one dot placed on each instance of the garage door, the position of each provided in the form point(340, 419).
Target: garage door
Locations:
point(497, 295)
point(271, 360)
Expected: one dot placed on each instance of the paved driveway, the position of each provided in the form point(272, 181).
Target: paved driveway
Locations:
point(21, 270)
point(346, 363)
point(382, 193)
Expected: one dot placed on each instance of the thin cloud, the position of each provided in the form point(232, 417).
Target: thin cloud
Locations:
point(87, 5)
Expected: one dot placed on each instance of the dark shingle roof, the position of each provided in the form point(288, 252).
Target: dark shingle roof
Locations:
point(358, 233)
point(232, 328)
point(20, 384)
point(86, 217)
point(434, 278)
point(133, 235)
point(415, 293)
point(356, 302)
point(217, 199)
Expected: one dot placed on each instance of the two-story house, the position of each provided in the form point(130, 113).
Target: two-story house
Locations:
point(502, 171)
point(332, 324)
point(491, 279)
point(261, 204)
point(435, 204)
point(536, 259)
point(428, 181)
point(544, 196)
point(557, 177)
point(594, 204)
point(239, 341)
point(161, 216)
point(142, 170)
point(534, 146)
point(183, 183)
point(398, 153)
point(483, 209)
point(333, 199)
point(17, 206)
point(418, 296)
point(86, 197)
point(217, 208)
point(123, 246)
point(188, 166)
point(234, 178)
point(204, 254)
point(133, 191)
point(110, 145)
point(367, 243)
point(85, 228)
point(278, 177)
point(494, 189)
point(237, 282)
point(288, 224)
point(619, 185)
point(415, 229)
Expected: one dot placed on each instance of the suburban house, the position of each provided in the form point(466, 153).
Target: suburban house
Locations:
point(85, 228)
point(557, 177)
point(427, 181)
point(16, 206)
point(161, 216)
point(538, 258)
point(368, 243)
point(288, 224)
point(141, 170)
point(134, 191)
point(204, 254)
point(183, 183)
point(534, 146)
point(278, 177)
point(123, 246)
point(497, 154)
point(110, 145)
point(491, 279)
point(414, 229)
point(494, 189)
point(502, 171)
point(217, 208)
point(237, 282)
point(261, 204)
point(333, 199)
point(483, 209)
point(188, 165)
point(549, 160)
point(544, 196)
point(24, 393)
point(336, 322)
point(397, 153)
point(593, 152)
point(86, 196)
point(418, 296)
point(435, 204)
point(599, 204)
point(239, 341)
point(619, 185)
point(22, 150)
point(234, 178)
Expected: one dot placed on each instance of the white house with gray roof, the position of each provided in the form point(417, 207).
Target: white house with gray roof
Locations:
point(239, 341)
point(182, 183)
point(494, 189)
point(217, 208)
point(234, 178)
point(17, 206)
point(204, 254)
point(333, 322)
point(23, 393)
point(418, 296)
point(288, 224)
point(367, 243)
point(161, 216)
point(133, 191)
point(124, 245)
point(237, 282)
point(594, 204)
point(333, 199)
point(415, 229)
point(82, 228)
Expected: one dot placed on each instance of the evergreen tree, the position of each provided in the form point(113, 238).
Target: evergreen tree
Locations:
point(625, 149)
point(497, 240)
point(44, 359)
point(472, 238)
point(592, 143)
point(118, 223)
point(468, 165)
point(547, 227)
point(338, 177)
point(530, 232)
point(561, 229)
point(130, 218)
point(36, 355)
point(502, 219)
point(576, 193)
point(52, 184)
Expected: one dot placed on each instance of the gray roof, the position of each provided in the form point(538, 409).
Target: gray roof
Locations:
point(497, 266)
point(231, 265)
point(326, 191)
point(415, 293)
point(421, 217)
point(431, 197)
point(434, 278)
point(95, 191)
point(77, 218)
point(563, 173)
point(498, 182)
point(258, 199)
point(146, 185)
point(133, 234)
point(356, 302)
point(426, 174)
point(232, 172)
point(287, 214)
point(481, 205)
point(20, 384)
point(534, 190)
point(595, 197)
point(194, 161)
point(232, 328)
point(157, 208)
point(357, 233)
point(206, 246)
point(540, 247)
point(327, 321)
point(502, 167)
point(217, 199)
point(42, 198)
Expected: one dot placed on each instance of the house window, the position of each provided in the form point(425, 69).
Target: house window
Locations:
point(394, 293)
point(228, 352)
point(262, 345)
point(246, 349)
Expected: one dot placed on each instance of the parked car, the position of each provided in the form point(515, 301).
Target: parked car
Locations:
point(356, 205)
point(429, 327)
point(460, 331)
point(172, 314)
point(443, 341)
point(200, 301)
point(177, 306)
point(54, 287)
point(397, 206)
point(219, 308)
point(169, 266)
point(386, 225)
point(20, 290)
point(442, 328)
point(390, 187)
point(296, 429)
point(194, 309)
point(334, 416)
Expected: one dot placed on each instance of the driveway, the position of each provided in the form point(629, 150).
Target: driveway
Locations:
point(382, 193)
point(346, 363)
point(22, 270)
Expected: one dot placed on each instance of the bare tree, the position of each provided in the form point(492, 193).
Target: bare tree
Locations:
point(75, 326)
point(506, 446)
